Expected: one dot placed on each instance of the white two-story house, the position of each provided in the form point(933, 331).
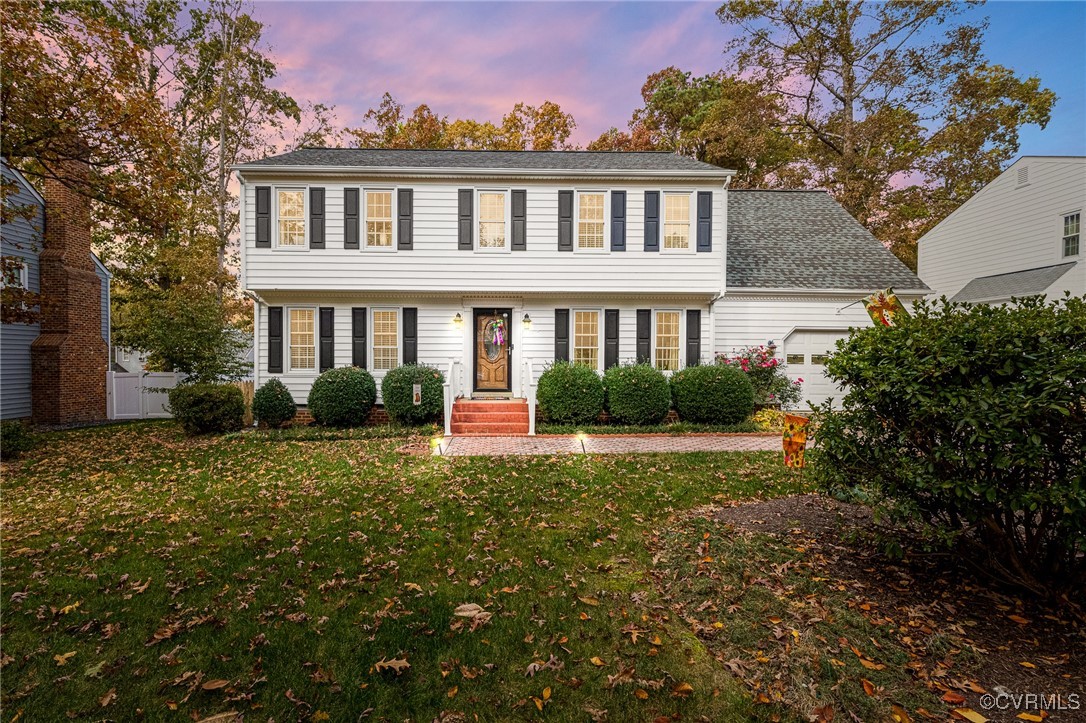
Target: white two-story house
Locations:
point(1018, 236)
point(492, 264)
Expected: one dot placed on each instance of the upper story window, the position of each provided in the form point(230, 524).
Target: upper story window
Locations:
point(386, 339)
point(492, 224)
point(590, 220)
point(586, 338)
point(16, 273)
point(667, 341)
point(379, 219)
point(303, 335)
point(1071, 226)
point(677, 221)
point(290, 213)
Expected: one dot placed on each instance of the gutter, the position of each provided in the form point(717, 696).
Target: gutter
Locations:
point(821, 292)
point(446, 172)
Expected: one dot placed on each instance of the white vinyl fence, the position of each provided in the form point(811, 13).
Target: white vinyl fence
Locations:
point(139, 395)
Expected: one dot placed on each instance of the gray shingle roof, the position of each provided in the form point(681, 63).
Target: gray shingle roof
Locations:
point(805, 240)
point(584, 161)
point(1001, 287)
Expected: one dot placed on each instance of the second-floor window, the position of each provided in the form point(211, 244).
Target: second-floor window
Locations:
point(492, 233)
point(386, 339)
point(1071, 235)
point(667, 341)
point(590, 220)
point(379, 219)
point(586, 338)
point(677, 221)
point(303, 335)
point(290, 205)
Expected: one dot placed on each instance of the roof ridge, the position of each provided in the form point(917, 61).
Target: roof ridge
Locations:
point(483, 150)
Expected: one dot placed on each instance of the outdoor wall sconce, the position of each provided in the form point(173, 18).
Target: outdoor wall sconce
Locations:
point(527, 322)
point(458, 321)
point(771, 347)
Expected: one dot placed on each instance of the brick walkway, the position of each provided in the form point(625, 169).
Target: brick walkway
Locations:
point(632, 444)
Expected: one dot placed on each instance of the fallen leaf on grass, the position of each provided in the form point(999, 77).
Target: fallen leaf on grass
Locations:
point(1018, 619)
point(1030, 717)
point(230, 715)
point(641, 693)
point(452, 691)
point(95, 670)
point(69, 608)
point(682, 690)
point(953, 698)
point(597, 661)
point(108, 697)
point(397, 665)
point(63, 658)
point(869, 687)
point(215, 684)
point(1027, 664)
point(589, 601)
point(970, 715)
point(900, 714)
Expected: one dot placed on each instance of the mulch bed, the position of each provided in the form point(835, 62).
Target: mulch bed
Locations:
point(1023, 645)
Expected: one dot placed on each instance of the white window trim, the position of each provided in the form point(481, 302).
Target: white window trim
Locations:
point(304, 188)
point(371, 356)
point(477, 219)
point(682, 337)
point(577, 223)
point(1063, 221)
point(363, 215)
point(691, 241)
point(22, 278)
point(289, 366)
point(600, 322)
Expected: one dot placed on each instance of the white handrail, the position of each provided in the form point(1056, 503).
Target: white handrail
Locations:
point(528, 390)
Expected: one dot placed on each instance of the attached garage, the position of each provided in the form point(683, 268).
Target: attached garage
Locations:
point(805, 353)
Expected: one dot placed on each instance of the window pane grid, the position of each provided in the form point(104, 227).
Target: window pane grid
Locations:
point(492, 220)
point(379, 218)
point(302, 349)
point(1071, 226)
point(586, 338)
point(667, 340)
point(676, 221)
point(291, 218)
point(386, 340)
point(590, 221)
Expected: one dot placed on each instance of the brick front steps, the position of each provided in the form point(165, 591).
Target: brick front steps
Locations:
point(489, 417)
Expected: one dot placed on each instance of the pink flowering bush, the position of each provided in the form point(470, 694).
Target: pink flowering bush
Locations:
point(772, 387)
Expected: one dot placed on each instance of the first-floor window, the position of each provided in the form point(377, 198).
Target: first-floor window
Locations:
point(1071, 225)
point(667, 341)
point(303, 351)
point(386, 338)
point(586, 338)
point(290, 204)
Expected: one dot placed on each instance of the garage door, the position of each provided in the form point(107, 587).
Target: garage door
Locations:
point(805, 353)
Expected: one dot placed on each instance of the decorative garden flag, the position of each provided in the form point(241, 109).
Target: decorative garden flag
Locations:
point(795, 439)
point(884, 306)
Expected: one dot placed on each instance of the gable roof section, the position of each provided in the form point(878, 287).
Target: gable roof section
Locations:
point(510, 162)
point(806, 240)
point(1001, 287)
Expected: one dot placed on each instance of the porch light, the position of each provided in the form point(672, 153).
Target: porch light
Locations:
point(526, 321)
point(458, 321)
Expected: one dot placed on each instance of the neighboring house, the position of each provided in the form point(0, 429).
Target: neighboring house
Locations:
point(128, 360)
point(493, 264)
point(54, 371)
point(1021, 235)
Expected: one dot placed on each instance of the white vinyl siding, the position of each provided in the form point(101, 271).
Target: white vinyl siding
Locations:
point(591, 221)
point(386, 339)
point(677, 221)
point(493, 227)
point(290, 217)
point(379, 223)
point(666, 340)
point(586, 338)
point(1071, 229)
point(303, 339)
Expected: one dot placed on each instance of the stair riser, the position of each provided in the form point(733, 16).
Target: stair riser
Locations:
point(484, 428)
point(492, 417)
point(498, 408)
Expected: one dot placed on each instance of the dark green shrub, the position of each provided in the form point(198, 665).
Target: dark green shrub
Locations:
point(15, 438)
point(342, 397)
point(636, 394)
point(398, 398)
point(273, 404)
point(570, 393)
point(970, 423)
point(208, 408)
point(718, 394)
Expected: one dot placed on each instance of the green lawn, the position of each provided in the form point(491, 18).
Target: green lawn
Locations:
point(147, 574)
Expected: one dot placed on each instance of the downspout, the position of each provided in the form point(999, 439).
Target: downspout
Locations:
point(257, 303)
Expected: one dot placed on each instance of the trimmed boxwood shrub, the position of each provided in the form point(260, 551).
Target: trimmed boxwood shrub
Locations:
point(15, 438)
point(718, 394)
point(636, 394)
point(208, 408)
point(273, 404)
point(570, 393)
point(342, 397)
point(397, 393)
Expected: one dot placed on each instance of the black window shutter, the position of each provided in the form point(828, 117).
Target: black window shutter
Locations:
point(465, 200)
point(358, 337)
point(328, 337)
point(693, 337)
point(263, 216)
point(275, 339)
point(520, 221)
point(316, 218)
point(410, 335)
point(644, 336)
point(565, 220)
point(561, 335)
point(652, 220)
point(610, 338)
point(618, 220)
point(705, 220)
point(405, 205)
point(350, 218)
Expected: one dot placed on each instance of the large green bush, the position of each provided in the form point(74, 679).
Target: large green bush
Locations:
point(208, 408)
point(970, 421)
point(398, 395)
point(15, 438)
point(273, 404)
point(570, 393)
point(718, 394)
point(636, 394)
point(342, 397)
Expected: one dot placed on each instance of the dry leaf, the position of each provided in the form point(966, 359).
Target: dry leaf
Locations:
point(641, 693)
point(1030, 717)
point(970, 715)
point(216, 684)
point(452, 691)
point(900, 714)
point(869, 687)
point(397, 665)
point(1026, 664)
point(953, 698)
point(1019, 619)
point(63, 658)
point(228, 716)
point(597, 661)
point(589, 601)
point(108, 698)
point(682, 690)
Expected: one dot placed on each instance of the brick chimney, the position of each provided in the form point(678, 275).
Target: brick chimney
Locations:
point(69, 358)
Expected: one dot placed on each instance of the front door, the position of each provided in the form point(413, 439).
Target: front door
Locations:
point(492, 350)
